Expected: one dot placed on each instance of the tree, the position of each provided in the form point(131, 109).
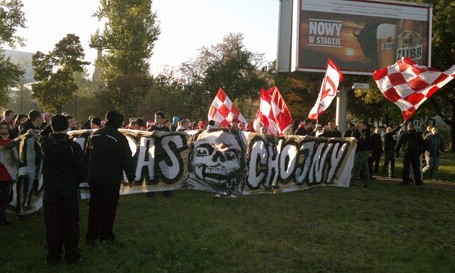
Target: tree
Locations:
point(54, 73)
point(126, 44)
point(11, 18)
point(443, 57)
point(228, 65)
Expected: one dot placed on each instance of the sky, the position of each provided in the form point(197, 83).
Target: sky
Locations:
point(186, 26)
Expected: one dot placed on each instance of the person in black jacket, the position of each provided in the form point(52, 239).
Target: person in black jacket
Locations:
point(388, 169)
point(331, 130)
point(434, 147)
point(362, 134)
point(305, 128)
point(108, 156)
point(63, 170)
point(33, 123)
point(376, 152)
point(411, 143)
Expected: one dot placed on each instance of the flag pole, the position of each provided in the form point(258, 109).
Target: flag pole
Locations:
point(341, 109)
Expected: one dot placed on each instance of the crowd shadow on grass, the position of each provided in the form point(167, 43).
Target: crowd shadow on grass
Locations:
point(428, 184)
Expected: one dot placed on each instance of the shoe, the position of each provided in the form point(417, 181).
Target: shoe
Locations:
point(150, 194)
point(391, 176)
point(167, 194)
point(217, 195)
point(90, 242)
point(74, 260)
point(5, 223)
point(52, 262)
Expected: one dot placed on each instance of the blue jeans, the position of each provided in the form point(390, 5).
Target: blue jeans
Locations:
point(432, 165)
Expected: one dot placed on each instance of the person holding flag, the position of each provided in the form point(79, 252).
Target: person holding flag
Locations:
point(409, 85)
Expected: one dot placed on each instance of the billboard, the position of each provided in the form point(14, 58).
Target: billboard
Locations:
point(359, 36)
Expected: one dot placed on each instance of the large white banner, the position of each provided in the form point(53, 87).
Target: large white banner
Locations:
point(217, 160)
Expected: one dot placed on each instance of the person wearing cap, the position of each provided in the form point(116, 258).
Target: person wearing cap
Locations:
point(64, 169)
point(109, 155)
point(95, 123)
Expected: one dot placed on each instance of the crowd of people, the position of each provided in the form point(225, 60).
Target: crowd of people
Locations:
point(107, 155)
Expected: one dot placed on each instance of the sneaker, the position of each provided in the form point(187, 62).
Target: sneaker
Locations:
point(217, 195)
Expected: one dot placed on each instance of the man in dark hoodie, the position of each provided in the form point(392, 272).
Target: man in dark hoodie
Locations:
point(108, 156)
point(63, 170)
point(412, 145)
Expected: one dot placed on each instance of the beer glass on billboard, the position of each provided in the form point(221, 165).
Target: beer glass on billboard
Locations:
point(386, 37)
point(409, 40)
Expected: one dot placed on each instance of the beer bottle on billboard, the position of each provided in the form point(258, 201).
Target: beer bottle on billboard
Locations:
point(409, 41)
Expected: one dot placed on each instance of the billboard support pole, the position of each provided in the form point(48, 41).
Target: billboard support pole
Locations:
point(341, 110)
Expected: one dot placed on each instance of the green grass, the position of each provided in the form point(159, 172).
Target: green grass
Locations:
point(446, 168)
point(382, 228)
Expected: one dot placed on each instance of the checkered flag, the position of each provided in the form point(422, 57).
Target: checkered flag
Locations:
point(273, 112)
point(408, 85)
point(223, 110)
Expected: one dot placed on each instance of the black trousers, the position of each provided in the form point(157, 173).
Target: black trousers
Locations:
point(5, 188)
point(389, 163)
point(103, 207)
point(414, 160)
point(373, 162)
point(61, 219)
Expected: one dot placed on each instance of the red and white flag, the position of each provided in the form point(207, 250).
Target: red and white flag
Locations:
point(329, 87)
point(273, 112)
point(223, 110)
point(408, 85)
